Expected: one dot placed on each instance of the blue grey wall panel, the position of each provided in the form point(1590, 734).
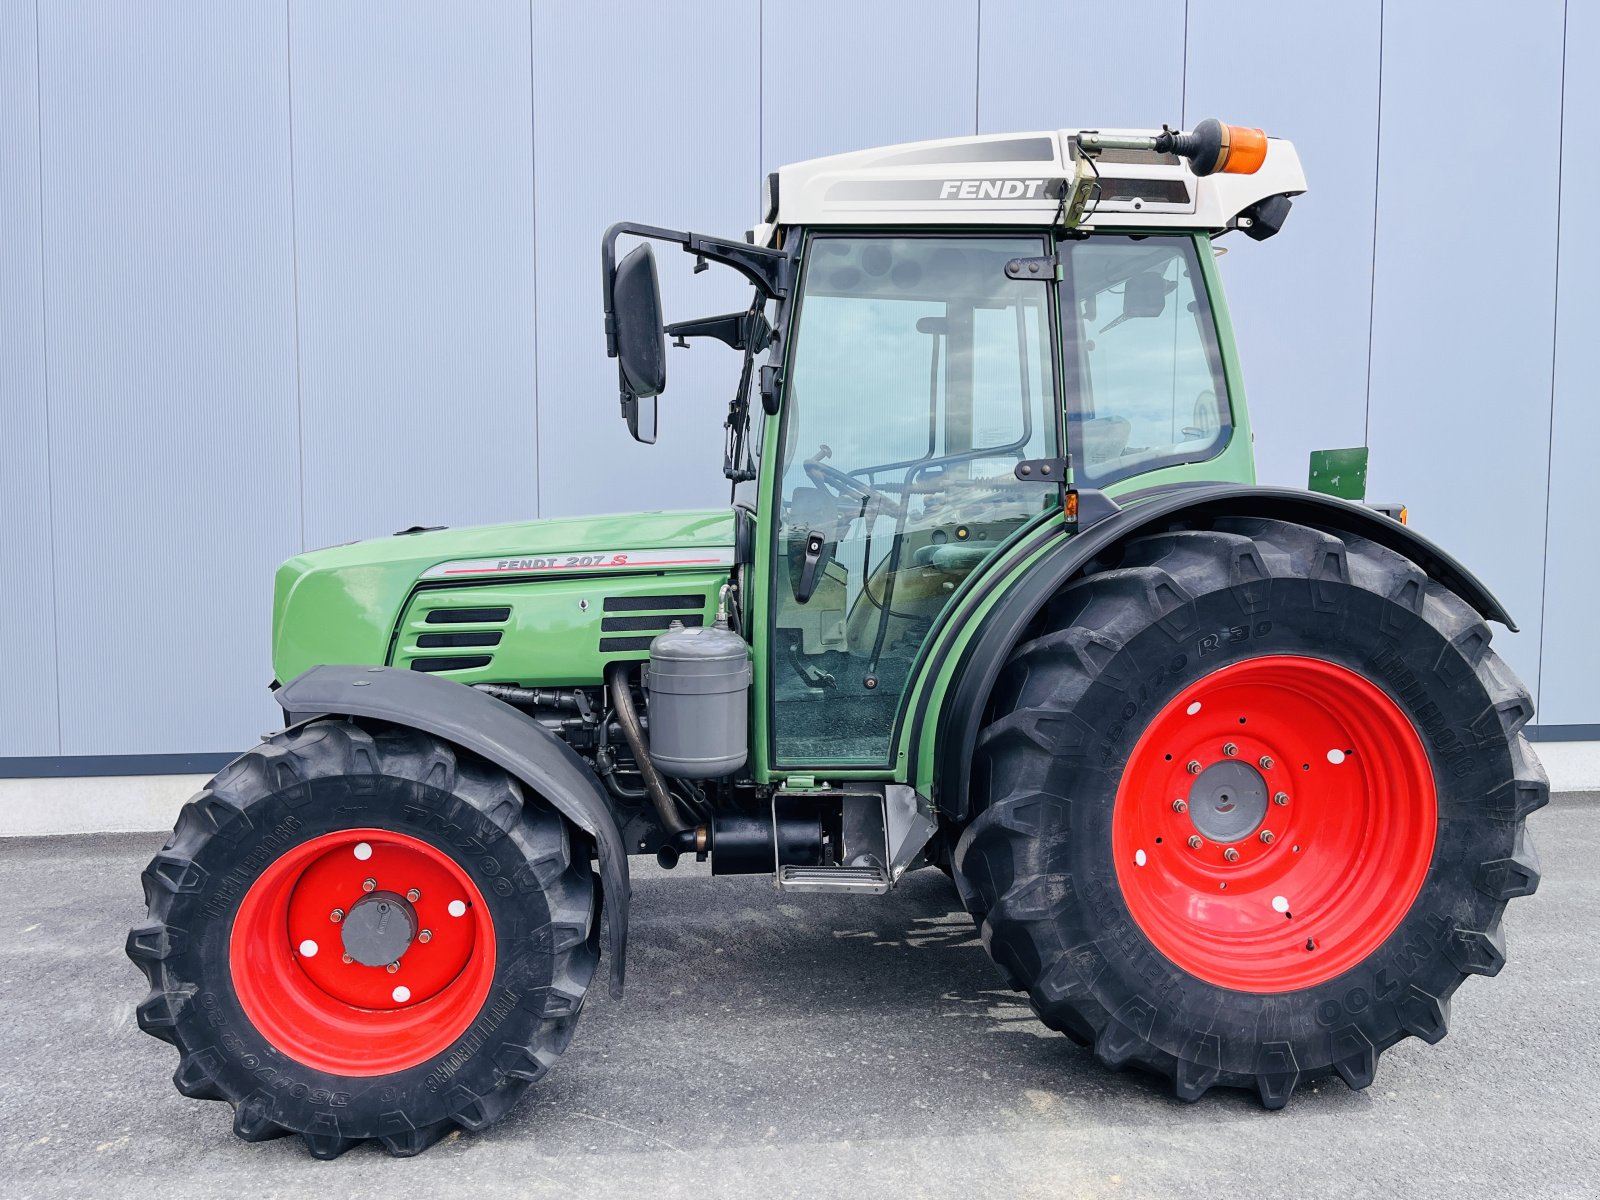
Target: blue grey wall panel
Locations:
point(1044, 64)
point(642, 115)
point(282, 274)
point(27, 638)
point(169, 309)
point(1465, 288)
point(1301, 302)
point(413, 186)
point(840, 75)
point(1569, 676)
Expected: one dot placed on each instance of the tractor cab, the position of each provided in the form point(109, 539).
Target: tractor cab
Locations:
point(962, 333)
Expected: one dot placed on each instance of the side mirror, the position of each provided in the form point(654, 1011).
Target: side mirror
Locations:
point(641, 341)
point(1143, 295)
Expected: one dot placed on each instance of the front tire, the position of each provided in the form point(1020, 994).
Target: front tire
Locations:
point(1250, 807)
point(363, 933)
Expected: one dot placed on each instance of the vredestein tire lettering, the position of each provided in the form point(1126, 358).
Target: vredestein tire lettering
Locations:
point(1036, 866)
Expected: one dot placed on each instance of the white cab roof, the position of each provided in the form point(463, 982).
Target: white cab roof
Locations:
point(1016, 179)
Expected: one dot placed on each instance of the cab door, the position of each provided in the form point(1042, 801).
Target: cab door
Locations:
point(918, 378)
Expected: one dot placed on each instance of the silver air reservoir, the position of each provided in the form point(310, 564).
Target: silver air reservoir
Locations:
point(699, 686)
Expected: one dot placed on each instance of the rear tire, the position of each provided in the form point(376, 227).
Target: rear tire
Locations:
point(253, 921)
point(1153, 961)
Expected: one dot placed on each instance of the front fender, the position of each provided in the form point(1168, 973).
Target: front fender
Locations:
point(494, 731)
point(985, 653)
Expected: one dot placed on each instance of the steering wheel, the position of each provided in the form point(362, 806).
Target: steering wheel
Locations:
point(843, 485)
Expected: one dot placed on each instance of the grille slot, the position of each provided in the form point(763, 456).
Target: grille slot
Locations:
point(656, 621)
point(484, 638)
point(467, 616)
point(451, 662)
point(654, 603)
point(625, 643)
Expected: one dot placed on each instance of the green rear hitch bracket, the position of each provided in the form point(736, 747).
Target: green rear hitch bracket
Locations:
point(1341, 473)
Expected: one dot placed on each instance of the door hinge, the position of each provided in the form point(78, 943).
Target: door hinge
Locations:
point(1043, 470)
point(1045, 269)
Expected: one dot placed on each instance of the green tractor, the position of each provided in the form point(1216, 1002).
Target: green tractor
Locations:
point(1228, 776)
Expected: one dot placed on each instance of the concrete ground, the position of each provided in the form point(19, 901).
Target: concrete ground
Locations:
point(814, 1046)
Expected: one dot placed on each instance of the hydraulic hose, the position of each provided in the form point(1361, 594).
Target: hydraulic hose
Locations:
point(633, 731)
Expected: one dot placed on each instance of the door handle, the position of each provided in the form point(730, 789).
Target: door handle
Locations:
point(811, 566)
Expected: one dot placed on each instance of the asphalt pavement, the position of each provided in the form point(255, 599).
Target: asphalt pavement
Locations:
point(817, 1046)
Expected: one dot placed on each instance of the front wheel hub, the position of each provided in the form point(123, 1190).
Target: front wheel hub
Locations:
point(379, 929)
point(340, 971)
point(1300, 843)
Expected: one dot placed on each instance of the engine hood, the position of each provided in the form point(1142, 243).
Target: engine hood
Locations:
point(341, 604)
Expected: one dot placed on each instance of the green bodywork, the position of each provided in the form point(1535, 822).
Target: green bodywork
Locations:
point(367, 602)
point(370, 601)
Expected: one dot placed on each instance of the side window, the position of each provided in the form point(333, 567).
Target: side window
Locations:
point(1149, 389)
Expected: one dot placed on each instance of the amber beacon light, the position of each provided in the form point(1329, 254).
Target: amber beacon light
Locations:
point(1210, 146)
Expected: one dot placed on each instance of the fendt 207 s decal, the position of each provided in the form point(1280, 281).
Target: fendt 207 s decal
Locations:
point(582, 560)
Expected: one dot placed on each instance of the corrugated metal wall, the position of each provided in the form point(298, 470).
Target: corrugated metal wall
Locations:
point(276, 275)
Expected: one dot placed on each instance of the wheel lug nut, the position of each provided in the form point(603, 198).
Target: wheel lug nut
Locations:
point(1266, 836)
point(392, 967)
point(1280, 798)
point(1179, 806)
point(1194, 841)
point(368, 884)
point(1230, 749)
point(1194, 767)
point(413, 895)
point(425, 936)
point(336, 915)
point(1266, 762)
point(1231, 854)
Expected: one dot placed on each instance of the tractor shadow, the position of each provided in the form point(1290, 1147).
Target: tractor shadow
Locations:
point(758, 1017)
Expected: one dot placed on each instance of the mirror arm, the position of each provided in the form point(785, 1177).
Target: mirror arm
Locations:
point(769, 270)
point(738, 330)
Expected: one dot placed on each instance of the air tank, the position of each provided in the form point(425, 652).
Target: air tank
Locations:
point(699, 686)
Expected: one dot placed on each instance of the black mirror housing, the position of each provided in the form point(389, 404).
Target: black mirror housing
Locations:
point(641, 341)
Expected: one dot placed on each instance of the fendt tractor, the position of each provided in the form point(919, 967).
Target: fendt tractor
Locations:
point(1228, 776)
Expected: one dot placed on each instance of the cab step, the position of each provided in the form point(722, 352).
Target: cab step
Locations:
point(869, 880)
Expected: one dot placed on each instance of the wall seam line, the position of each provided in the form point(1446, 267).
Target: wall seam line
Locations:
point(1555, 342)
point(1372, 275)
point(761, 102)
point(1183, 84)
point(44, 335)
point(977, 75)
point(533, 215)
point(294, 273)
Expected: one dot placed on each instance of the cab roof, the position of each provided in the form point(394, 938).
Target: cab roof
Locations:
point(1015, 179)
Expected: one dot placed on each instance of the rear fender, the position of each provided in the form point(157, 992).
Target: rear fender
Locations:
point(1003, 625)
point(494, 731)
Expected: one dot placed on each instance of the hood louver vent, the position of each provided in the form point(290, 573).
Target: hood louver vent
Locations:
point(649, 615)
point(448, 640)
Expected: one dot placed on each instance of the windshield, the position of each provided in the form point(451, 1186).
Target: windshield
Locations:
point(920, 376)
point(1145, 381)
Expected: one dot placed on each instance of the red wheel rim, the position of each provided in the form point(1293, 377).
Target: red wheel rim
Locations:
point(1348, 818)
point(370, 890)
